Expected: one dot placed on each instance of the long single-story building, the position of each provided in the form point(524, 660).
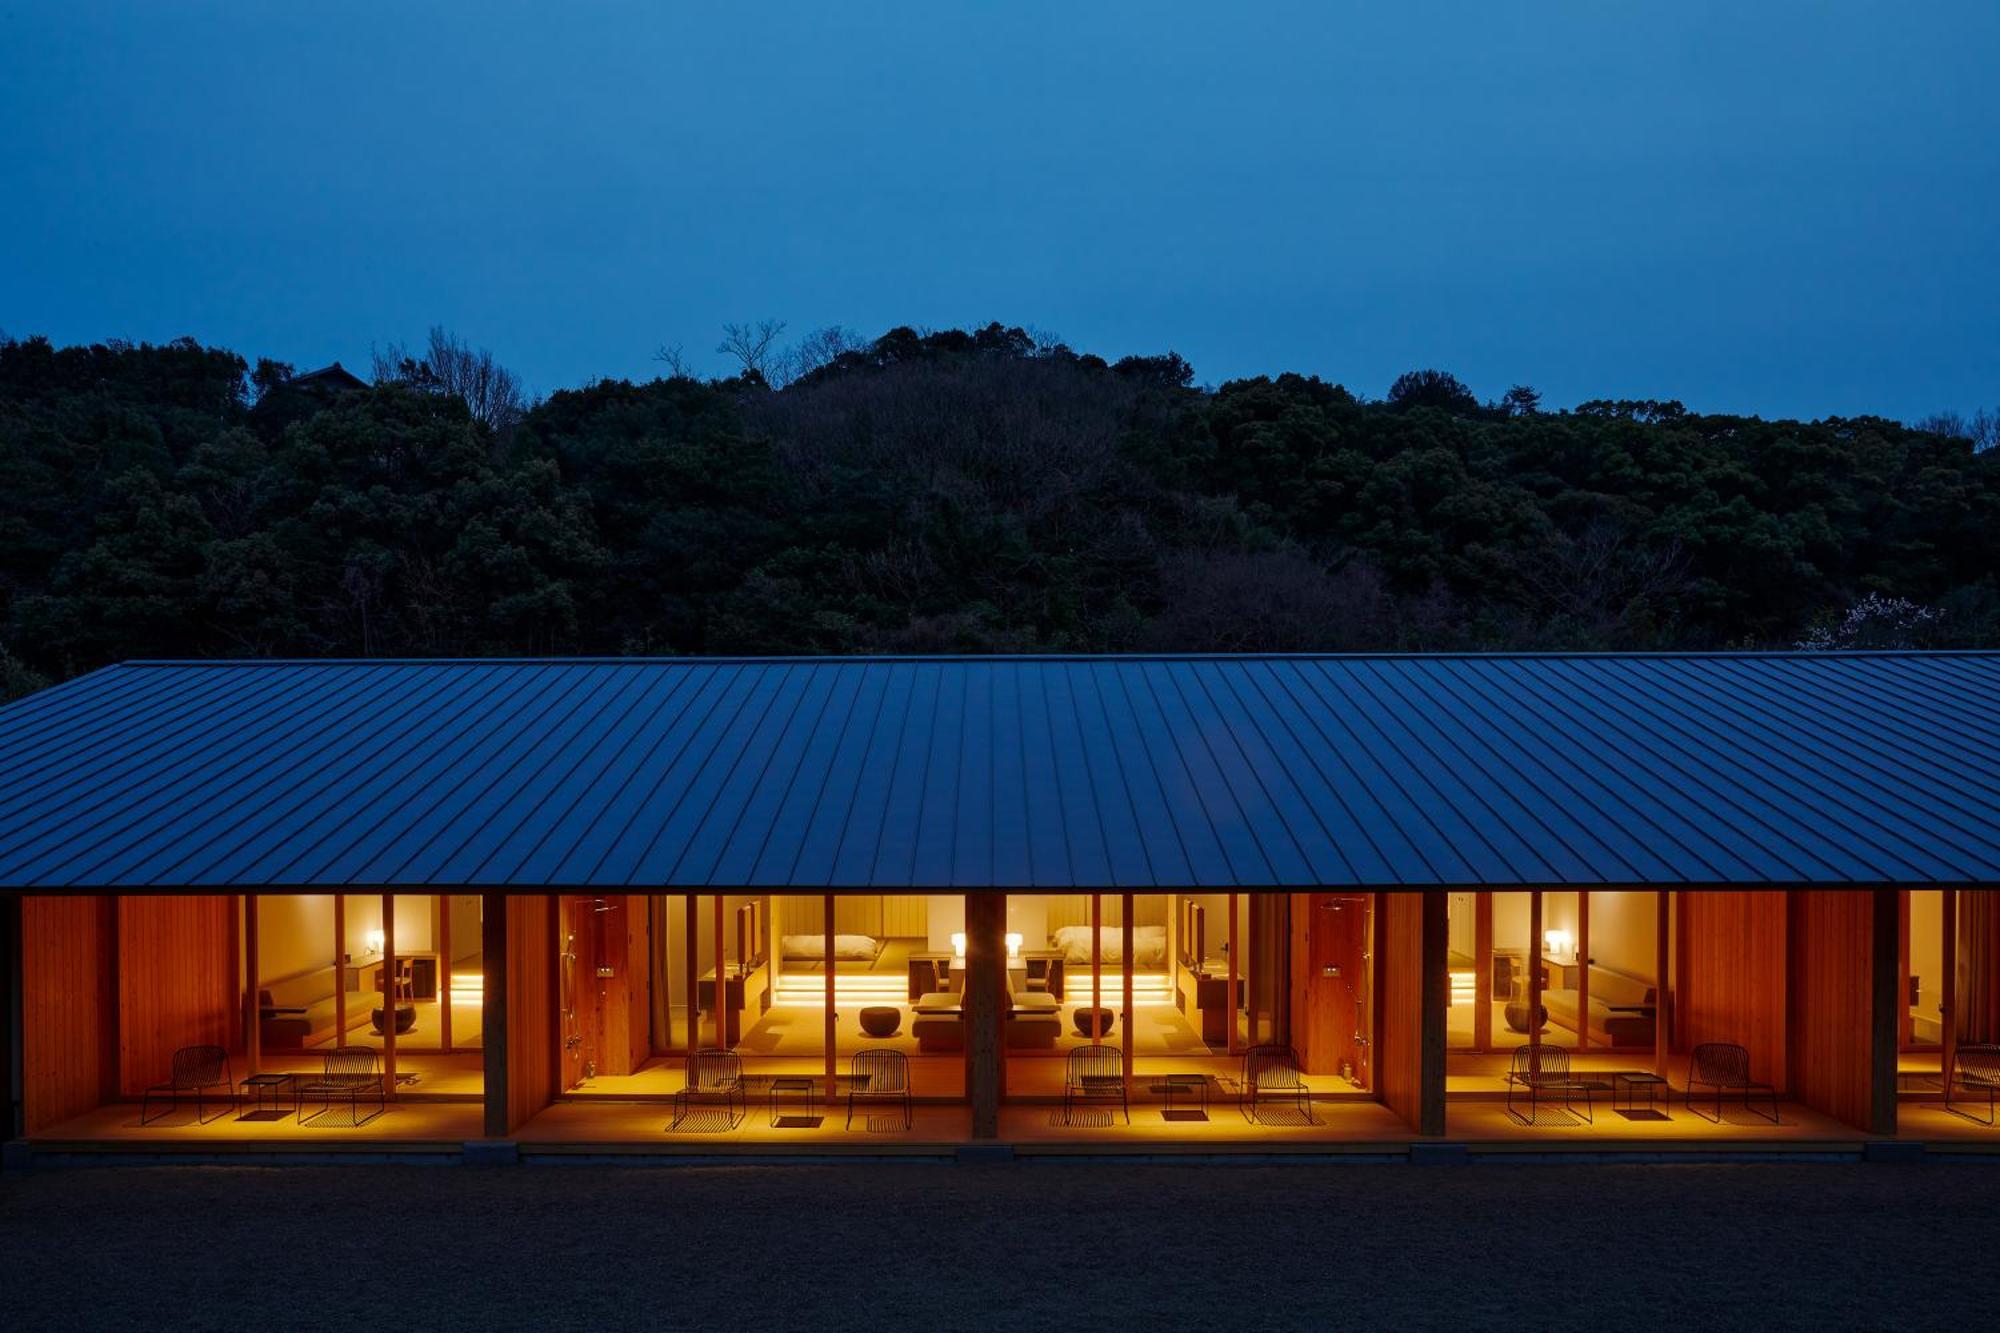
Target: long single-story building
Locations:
point(1381, 903)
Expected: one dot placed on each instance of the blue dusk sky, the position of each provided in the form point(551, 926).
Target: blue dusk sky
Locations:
point(1785, 207)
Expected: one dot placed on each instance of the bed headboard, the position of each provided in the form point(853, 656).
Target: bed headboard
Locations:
point(884, 916)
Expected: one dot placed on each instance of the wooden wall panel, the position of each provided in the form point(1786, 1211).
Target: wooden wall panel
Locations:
point(69, 1030)
point(1328, 930)
point(178, 982)
point(1073, 909)
point(1831, 1023)
point(1732, 964)
point(1979, 965)
point(906, 916)
point(531, 1006)
point(1411, 980)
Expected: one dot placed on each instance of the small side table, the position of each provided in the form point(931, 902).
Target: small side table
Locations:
point(1626, 1083)
point(802, 1085)
point(1184, 1085)
point(267, 1095)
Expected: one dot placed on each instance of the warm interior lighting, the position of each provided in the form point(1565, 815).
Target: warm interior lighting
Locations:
point(958, 942)
point(1557, 944)
point(1464, 986)
point(375, 939)
point(1013, 945)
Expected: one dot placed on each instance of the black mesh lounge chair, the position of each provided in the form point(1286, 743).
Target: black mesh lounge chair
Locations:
point(1541, 1073)
point(1271, 1074)
point(1725, 1067)
point(878, 1074)
point(1975, 1067)
point(714, 1077)
point(348, 1074)
point(196, 1069)
point(1095, 1074)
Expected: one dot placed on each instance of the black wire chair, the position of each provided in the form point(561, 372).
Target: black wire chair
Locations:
point(878, 1074)
point(1271, 1074)
point(350, 1072)
point(1542, 1071)
point(1095, 1073)
point(1725, 1067)
point(195, 1069)
point(1977, 1066)
point(715, 1078)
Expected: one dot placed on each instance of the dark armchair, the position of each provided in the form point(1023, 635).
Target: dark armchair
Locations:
point(1095, 1073)
point(1541, 1073)
point(196, 1069)
point(1976, 1067)
point(351, 1073)
point(878, 1074)
point(1725, 1067)
point(1271, 1074)
point(714, 1077)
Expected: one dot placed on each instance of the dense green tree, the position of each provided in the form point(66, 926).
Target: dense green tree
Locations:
point(960, 490)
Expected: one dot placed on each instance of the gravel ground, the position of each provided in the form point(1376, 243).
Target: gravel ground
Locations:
point(1028, 1246)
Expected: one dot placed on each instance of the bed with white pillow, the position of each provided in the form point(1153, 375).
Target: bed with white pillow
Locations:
point(1149, 945)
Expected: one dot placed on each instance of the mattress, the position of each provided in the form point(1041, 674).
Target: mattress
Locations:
point(1149, 945)
point(846, 948)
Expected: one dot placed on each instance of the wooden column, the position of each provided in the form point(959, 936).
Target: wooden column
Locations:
point(691, 953)
point(1437, 995)
point(1535, 969)
point(1096, 967)
point(1482, 984)
point(985, 975)
point(1663, 1014)
point(339, 970)
point(1125, 933)
point(493, 1010)
point(13, 1065)
point(1583, 969)
point(721, 996)
point(1948, 989)
point(1888, 1006)
point(253, 1008)
point(831, 1029)
point(1905, 1030)
point(443, 902)
point(389, 994)
point(1234, 1045)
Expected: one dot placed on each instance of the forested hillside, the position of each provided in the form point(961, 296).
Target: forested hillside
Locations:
point(976, 492)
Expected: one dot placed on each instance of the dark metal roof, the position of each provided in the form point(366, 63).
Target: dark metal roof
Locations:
point(1022, 772)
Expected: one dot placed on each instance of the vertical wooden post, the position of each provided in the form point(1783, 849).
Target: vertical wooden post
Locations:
point(1904, 1028)
point(493, 1010)
point(12, 1003)
point(1887, 1004)
point(691, 954)
point(443, 902)
point(1125, 934)
point(1096, 967)
point(1582, 969)
point(253, 1009)
point(1235, 1046)
point(985, 975)
point(339, 970)
point(1482, 984)
point(1948, 990)
point(722, 1041)
point(389, 994)
point(1535, 969)
point(1662, 993)
point(1436, 927)
point(831, 1030)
